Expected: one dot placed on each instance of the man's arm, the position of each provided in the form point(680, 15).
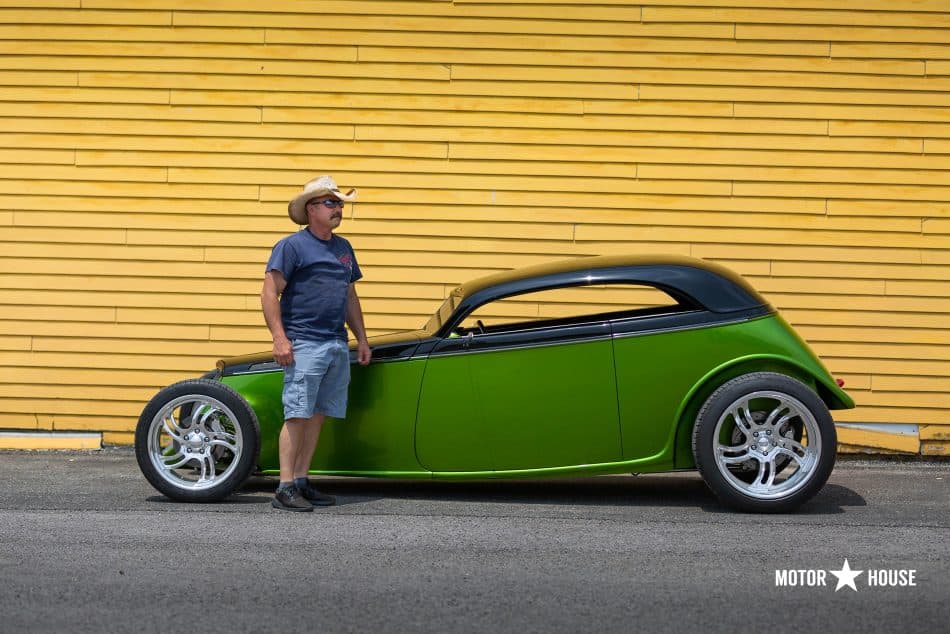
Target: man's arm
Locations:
point(274, 284)
point(354, 318)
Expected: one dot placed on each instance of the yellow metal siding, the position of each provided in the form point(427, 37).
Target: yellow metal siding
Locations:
point(148, 149)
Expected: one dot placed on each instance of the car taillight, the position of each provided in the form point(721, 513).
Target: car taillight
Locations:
point(840, 382)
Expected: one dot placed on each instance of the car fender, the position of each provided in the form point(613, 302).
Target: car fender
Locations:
point(816, 378)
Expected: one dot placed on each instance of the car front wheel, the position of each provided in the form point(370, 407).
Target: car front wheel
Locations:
point(196, 441)
point(764, 442)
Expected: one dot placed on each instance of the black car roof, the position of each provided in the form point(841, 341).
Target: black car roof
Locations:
point(711, 285)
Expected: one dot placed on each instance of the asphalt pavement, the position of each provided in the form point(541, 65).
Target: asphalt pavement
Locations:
point(87, 545)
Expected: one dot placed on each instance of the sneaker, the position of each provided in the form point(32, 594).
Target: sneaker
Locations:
point(315, 497)
point(290, 500)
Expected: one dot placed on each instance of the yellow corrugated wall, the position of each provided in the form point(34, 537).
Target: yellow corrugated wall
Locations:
point(148, 148)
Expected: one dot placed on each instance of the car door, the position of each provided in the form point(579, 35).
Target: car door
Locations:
point(547, 396)
point(520, 399)
point(522, 378)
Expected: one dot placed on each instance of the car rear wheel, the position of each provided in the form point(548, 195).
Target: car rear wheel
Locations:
point(197, 440)
point(764, 442)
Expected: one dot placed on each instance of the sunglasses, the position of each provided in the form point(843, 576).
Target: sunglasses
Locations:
point(331, 203)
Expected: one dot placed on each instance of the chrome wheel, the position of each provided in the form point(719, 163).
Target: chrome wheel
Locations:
point(762, 457)
point(195, 442)
point(764, 442)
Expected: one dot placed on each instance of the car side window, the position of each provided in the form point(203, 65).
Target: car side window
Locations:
point(568, 305)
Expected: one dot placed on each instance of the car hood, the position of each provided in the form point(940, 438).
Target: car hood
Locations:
point(388, 347)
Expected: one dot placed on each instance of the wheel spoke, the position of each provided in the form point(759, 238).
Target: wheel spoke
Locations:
point(805, 459)
point(168, 430)
point(747, 419)
point(221, 438)
point(743, 457)
point(743, 418)
point(779, 410)
point(757, 483)
point(184, 460)
point(794, 447)
point(764, 478)
point(799, 460)
point(782, 422)
point(230, 446)
point(174, 421)
point(220, 434)
point(208, 412)
point(207, 468)
point(770, 461)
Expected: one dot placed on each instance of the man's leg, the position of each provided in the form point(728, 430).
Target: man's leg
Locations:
point(289, 442)
point(309, 441)
point(324, 388)
point(292, 436)
point(309, 437)
point(299, 434)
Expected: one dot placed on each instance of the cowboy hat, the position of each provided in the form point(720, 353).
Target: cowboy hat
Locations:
point(321, 186)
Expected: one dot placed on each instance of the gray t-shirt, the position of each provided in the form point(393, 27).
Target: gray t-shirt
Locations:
point(318, 273)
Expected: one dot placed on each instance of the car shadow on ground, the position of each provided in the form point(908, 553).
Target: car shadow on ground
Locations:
point(238, 498)
point(653, 490)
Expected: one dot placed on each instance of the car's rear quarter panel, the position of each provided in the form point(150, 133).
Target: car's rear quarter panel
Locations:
point(662, 378)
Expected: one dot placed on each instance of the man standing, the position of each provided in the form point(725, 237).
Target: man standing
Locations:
point(309, 291)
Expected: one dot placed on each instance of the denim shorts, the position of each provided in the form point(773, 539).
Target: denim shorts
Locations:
point(318, 379)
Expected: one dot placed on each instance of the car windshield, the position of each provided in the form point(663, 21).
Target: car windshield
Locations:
point(445, 311)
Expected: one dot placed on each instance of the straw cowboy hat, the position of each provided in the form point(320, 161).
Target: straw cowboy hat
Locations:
point(321, 186)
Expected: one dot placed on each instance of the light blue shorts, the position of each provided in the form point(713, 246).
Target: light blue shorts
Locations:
point(318, 379)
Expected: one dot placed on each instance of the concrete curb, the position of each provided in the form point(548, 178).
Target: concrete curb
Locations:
point(42, 440)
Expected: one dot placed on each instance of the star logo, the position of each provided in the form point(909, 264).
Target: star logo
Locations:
point(846, 576)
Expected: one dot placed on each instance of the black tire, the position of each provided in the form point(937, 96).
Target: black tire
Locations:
point(776, 423)
point(190, 430)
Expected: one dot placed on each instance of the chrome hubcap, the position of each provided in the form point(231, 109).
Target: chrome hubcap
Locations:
point(758, 449)
point(194, 442)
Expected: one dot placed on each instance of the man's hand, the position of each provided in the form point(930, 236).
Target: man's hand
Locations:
point(363, 353)
point(283, 352)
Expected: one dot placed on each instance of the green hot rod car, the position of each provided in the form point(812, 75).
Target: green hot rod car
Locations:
point(532, 373)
